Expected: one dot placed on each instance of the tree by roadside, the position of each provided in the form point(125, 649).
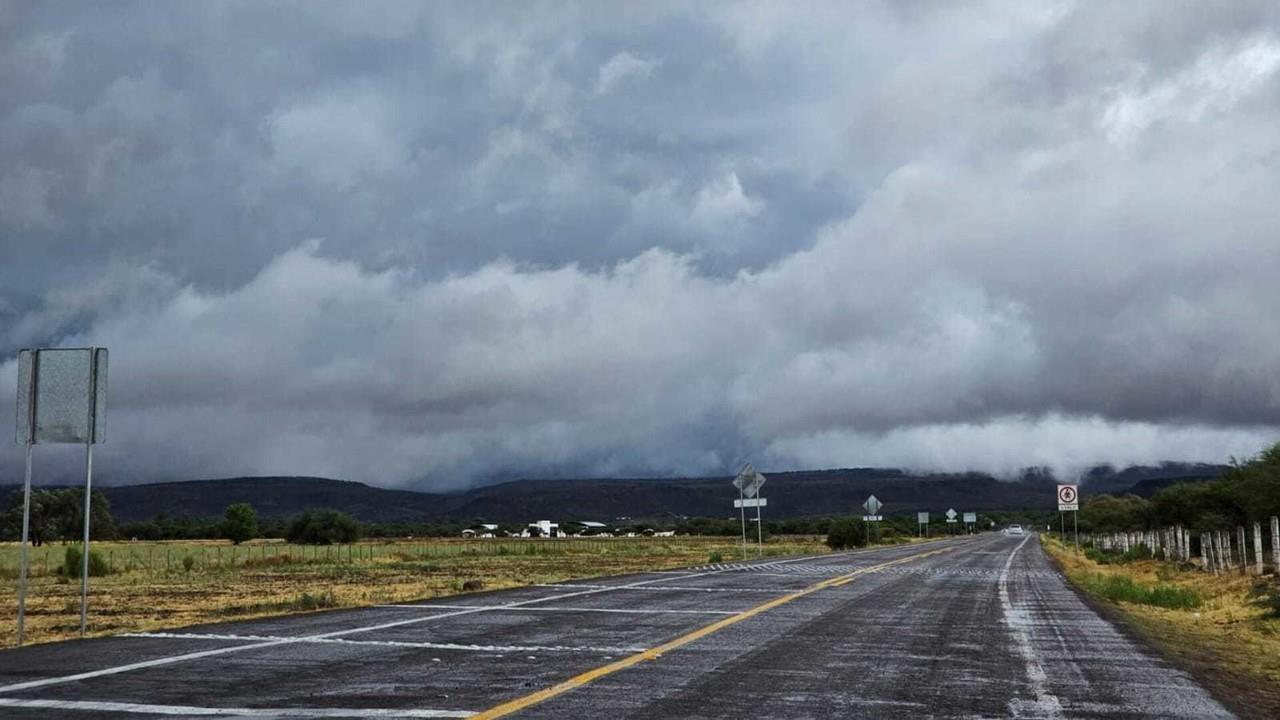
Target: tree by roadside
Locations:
point(240, 523)
point(325, 526)
point(58, 514)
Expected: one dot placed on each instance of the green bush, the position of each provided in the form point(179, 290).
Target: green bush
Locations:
point(323, 527)
point(188, 562)
point(715, 558)
point(319, 601)
point(1115, 557)
point(847, 533)
point(73, 561)
point(1118, 588)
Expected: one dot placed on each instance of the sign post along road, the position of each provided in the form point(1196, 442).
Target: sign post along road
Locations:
point(951, 520)
point(971, 521)
point(922, 519)
point(749, 482)
point(62, 398)
point(1069, 501)
point(872, 506)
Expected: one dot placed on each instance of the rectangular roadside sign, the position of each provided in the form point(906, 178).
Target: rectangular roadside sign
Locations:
point(1068, 497)
point(750, 502)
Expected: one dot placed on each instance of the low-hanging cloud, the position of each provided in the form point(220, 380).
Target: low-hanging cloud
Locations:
point(554, 247)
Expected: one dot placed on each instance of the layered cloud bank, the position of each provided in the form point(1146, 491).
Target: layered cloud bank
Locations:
point(976, 240)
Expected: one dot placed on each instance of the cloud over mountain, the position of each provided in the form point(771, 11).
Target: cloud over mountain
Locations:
point(434, 245)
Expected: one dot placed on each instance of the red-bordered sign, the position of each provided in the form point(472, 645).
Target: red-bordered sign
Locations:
point(1068, 497)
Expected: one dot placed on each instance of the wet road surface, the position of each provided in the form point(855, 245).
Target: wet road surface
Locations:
point(973, 627)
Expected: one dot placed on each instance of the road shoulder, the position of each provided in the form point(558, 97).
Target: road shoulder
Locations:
point(1244, 695)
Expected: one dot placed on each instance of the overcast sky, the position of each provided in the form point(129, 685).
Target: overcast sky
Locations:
point(436, 244)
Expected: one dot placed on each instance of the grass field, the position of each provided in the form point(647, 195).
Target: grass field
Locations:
point(160, 585)
point(1208, 624)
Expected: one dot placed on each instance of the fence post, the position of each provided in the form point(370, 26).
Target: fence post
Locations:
point(1275, 544)
point(1257, 547)
point(1244, 556)
point(1206, 553)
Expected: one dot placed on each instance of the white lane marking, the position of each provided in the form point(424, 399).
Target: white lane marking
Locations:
point(390, 643)
point(676, 588)
point(157, 662)
point(190, 711)
point(624, 611)
point(1018, 622)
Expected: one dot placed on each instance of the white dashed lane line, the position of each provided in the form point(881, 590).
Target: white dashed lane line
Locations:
point(243, 712)
point(389, 643)
point(512, 608)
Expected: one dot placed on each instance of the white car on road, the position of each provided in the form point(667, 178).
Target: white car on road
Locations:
point(1013, 530)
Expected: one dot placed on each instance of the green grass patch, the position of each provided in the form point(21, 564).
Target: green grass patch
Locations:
point(1118, 588)
point(1115, 557)
point(1266, 595)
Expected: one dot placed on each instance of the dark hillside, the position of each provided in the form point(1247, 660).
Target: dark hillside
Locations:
point(790, 494)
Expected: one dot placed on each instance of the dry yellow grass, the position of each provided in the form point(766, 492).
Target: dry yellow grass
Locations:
point(152, 590)
point(1227, 641)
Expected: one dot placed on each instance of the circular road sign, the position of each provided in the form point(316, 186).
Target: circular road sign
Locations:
point(1066, 493)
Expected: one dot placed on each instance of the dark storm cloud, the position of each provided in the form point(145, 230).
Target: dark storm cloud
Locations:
point(445, 243)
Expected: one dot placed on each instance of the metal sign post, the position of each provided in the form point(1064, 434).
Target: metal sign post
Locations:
point(742, 513)
point(970, 522)
point(872, 506)
point(749, 482)
point(922, 520)
point(759, 528)
point(951, 521)
point(26, 529)
point(1069, 501)
point(62, 398)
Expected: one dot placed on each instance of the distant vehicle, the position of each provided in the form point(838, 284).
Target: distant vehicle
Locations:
point(1013, 530)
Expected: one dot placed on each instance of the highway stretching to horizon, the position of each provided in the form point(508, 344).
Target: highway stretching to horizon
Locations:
point(957, 628)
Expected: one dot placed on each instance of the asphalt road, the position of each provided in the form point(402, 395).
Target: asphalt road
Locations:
point(967, 628)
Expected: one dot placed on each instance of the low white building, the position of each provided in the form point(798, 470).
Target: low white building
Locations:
point(542, 528)
point(578, 528)
point(481, 530)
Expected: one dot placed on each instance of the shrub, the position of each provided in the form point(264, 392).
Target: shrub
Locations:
point(188, 562)
point(847, 533)
point(1266, 595)
point(73, 561)
point(1115, 557)
point(323, 527)
point(715, 558)
point(319, 601)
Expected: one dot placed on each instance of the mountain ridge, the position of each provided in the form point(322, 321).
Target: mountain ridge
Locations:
point(791, 494)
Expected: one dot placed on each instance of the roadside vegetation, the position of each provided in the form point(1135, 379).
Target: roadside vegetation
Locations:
point(146, 586)
point(1224, 629)
point(1248, 492)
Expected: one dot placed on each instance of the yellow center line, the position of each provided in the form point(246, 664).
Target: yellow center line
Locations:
point(656, 652)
